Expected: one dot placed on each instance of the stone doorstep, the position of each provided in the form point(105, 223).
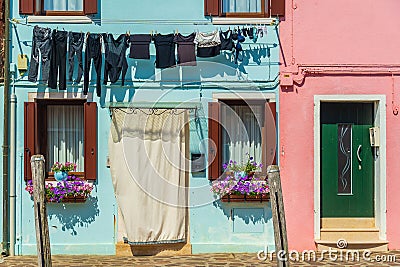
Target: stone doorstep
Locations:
point(350, 234)
point(173, 249)
point(347, 223)
point(372, 245)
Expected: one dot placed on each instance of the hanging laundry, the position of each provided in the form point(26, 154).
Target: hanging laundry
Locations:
point(226, 40)
point(238, 48)
point(93, 51)
point(58, 60)
point(140, 46)
point(165, 50)
point(115, 57)
point(41, 42)
point(208, 44)
point(186, 49)
point(76, 40)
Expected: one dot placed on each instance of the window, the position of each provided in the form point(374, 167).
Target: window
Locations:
point(244, 8)
point(57, 7)
point(248, 8)
point(238, 127)
point(62, 130)
point(63, 5)
point(241, 132)
point(65, 135)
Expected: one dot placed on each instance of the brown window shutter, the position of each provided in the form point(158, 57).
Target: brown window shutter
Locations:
point(90, 7)
point(269, 134)
point(26, 7)
point(90, 140)
point(211, 7)
point(278, 8)
point(214, 142)
point(29, 137)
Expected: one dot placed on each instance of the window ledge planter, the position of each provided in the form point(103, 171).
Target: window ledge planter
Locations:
point(69, 199)
point(245, 198)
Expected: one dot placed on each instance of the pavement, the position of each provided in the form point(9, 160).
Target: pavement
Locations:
point(391, 258)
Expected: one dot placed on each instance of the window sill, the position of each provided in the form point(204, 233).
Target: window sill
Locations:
point(50, 175)
point(59, 19)
point(230, 20)
point(245, 198)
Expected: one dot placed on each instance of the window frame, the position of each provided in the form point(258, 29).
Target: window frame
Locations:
point(43, 142)
point(215, 134)
point(36, 8)
point(253, 102)
point(263, 14)
point(270, 8)
point(35, 135)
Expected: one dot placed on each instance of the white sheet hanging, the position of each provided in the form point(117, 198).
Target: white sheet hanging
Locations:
point(149, 173)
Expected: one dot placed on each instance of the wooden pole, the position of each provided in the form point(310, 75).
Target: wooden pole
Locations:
point(278, 216)
point(39, 200)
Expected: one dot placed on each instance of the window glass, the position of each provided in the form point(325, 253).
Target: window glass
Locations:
point(241, 6)
point(241, 132)
point(65, 133)
point(63, 5)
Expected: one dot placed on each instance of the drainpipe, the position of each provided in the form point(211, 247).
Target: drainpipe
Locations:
point(12, 169)
point(5, 244)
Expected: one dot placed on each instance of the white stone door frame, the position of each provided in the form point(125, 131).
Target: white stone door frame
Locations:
point(379, 161)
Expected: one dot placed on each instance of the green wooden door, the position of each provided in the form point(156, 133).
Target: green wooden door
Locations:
point(347, 173)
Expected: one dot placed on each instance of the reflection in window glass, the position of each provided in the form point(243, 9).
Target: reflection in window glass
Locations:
point(63, 5)
point(241, 6)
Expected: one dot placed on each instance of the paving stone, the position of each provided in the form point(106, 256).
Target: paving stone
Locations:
point(201, 260)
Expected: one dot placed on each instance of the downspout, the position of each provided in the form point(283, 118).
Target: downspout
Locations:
point(12, 176)
point(5, 244)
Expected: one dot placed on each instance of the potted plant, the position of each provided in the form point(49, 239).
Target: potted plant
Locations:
point(240, 183)
point(61, 170)
point(74, 189)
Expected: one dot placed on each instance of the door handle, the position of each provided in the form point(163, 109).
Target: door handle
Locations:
point(358, 153)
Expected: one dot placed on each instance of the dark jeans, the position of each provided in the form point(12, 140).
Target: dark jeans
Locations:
point(93, 50)
point(76, 40)
point(41, 41)
point(58, 60)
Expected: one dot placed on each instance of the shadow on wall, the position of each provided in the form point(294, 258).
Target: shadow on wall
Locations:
point(74, 215)
point(246, 214)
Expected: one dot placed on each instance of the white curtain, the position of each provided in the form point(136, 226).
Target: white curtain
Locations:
point(149, 172)
point(241, 132)
point(65, 135)
point(241, 6)
point(63, 5)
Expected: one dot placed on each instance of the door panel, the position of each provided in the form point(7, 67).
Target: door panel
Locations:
point(346, 161)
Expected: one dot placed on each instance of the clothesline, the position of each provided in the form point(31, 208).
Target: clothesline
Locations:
point(153, 32)
point(171, 50)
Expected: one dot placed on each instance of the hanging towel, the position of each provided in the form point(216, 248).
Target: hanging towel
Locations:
point(149, 174)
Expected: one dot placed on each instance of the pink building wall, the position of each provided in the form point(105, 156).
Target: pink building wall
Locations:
point(364, 33)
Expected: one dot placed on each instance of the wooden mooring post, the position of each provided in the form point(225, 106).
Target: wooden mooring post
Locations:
point(278, 216)
point(39, 200)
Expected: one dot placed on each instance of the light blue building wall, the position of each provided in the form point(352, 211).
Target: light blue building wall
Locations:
point(90, 228)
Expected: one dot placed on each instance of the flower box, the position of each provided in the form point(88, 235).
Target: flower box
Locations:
point(70, 199)
point(245, 198)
